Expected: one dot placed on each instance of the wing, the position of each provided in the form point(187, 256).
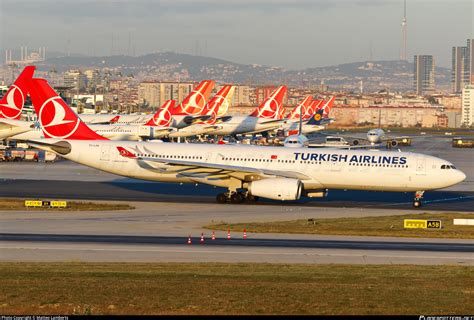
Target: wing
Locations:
point(10, 128)
point(200, 170)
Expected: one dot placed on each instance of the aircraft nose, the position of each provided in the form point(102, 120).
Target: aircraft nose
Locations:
point(460, 176)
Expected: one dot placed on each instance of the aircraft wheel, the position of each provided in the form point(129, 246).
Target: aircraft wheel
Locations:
point(252, 198)
point(236, 197)
point(221, 198)
point(417, 203)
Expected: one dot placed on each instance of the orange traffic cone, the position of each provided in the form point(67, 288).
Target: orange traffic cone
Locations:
point(189, 239)
point(213, 236)
point(228, 234)
point(245, 234)
point(202, 238)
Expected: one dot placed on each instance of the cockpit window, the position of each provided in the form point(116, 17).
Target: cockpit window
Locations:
point(447, 166)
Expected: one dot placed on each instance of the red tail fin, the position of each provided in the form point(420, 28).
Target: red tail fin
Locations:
point(303, 106)
point(12, 103)
point(271, 107)
point(213, 106)
point(328, 106)
point(312, 109)
point(194, 103)
point(162, 117)
point(55, 116)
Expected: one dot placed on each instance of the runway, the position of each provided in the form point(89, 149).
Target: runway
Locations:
point(134, 190)
point(166, 214)
point(269, 243)
point(60, 247)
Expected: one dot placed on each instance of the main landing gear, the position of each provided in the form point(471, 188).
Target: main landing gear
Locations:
point(417, 203)
point(235, 197)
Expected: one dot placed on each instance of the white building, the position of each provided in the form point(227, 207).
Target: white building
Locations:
point(467, 115)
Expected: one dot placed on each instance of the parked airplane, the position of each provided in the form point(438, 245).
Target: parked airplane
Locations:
point(157, 127)
point(190, 109)
point(211, 109)
point(12, 103)
point(264, 118)
point(246, 171)
point(183, 115)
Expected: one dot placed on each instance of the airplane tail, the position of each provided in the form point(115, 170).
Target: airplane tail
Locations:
point(225, 104)
point(162, 117)
point(328, 106)
point(56, 118)
point(214, 105)
point(194, 103)
point(317, 118)
point(300, 108)
point(272, 106)
point(313, 107)
point(12, 103)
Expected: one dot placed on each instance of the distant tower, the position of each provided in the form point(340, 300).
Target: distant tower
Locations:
point(403, 50)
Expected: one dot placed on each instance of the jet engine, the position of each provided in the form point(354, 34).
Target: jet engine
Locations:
point(394, 143)
point(276, 188)
point(355, 142)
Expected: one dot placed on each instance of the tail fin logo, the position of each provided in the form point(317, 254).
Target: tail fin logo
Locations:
point(15, 100)
point(197, 99)
point(163, 117)
point(271, 107)
point(52, 116)
point(317, 117)
point(195, 104)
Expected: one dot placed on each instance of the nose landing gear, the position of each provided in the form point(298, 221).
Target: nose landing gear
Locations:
point(417, 203)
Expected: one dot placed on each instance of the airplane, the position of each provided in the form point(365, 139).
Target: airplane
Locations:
point(12, 104)
point(265, 117)
point(210, 109)
point(248, 172)
point(157, 127)
point(189, 110)
point(314, 124)
point(183, 115)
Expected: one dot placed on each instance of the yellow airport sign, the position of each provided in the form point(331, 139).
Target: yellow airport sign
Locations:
point(43, 204)
point(33, 203)
point(433, 224)
point(58, 204)
point(421, 224)
point(414, 224)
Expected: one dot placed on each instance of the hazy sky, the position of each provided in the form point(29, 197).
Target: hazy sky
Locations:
point(289, 33)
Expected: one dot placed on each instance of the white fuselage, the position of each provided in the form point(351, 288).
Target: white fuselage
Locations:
point(113, 132)
point(294, 125)
point(324, 168)
point(101, 118)
point(245, 124)
point(375, 136)
point(9, 127)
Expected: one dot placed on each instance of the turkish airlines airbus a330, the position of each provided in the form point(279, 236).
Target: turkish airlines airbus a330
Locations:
point(246, 171)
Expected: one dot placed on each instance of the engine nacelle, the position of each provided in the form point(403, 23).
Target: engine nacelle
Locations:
point(276, 188)
point(394, 143)
point(355, 142)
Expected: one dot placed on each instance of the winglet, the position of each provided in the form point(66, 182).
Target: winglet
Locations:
point(114, 119)
point(125, 153)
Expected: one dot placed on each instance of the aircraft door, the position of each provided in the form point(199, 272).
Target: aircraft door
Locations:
point(105, 153)
point(421, 166)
